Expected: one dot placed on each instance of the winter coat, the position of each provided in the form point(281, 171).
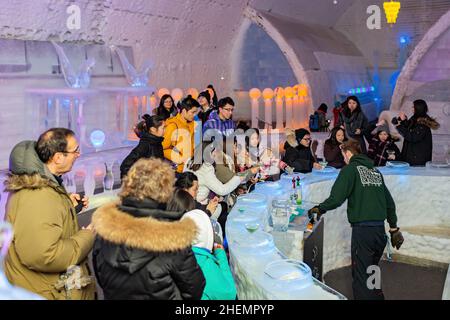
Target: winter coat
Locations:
point(357, 120)
point(418, 140)
point(149, 146)
point(368, 197)
point(298, 156)
point(143, 252)
point(333, 155)
point(216, 127)
point(207, 182)
point(178, 143)
point(219, 279)
point(378, 150)
point(47, 239)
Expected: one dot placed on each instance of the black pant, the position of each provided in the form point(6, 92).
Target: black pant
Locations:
point(368, 244)
point(223, 216)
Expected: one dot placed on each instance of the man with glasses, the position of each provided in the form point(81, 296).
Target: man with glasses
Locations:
point(220, 123)
point(48, 246)
point(298, 153)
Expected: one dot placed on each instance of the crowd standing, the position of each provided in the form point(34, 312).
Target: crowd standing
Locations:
point(165, 236)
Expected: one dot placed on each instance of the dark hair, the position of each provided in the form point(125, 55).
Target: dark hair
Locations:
point(181, 201)
point(52, 141)
point(224, 101)
point(186, 180)
point(353, 146)
point(242, 125)
point(153, 122)
point(205, 94)
point(215, 95)
point(249, 135)
point(347, 111)
point(332, 139)
point(420, 108)
point(164, 98)
point(148, 122)
point(188, 103)
point(323, 107)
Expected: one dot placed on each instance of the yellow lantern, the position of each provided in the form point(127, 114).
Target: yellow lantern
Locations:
point(193, 92)
point(391, 10)
point(279, 92)
point(302, 90)
point(289, 92)
point(177, 94)
point(267, 93)
point(255, 93)
point(162, 92)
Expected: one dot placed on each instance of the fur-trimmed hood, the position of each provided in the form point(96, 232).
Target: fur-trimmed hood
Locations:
point(429, 122)
point(291, 140)
point(27, 171)
point(145, 233)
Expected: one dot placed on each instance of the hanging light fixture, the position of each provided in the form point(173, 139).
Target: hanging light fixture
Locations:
point(391, 9)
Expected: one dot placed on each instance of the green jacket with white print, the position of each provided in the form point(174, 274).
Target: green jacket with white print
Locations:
point(363, 186)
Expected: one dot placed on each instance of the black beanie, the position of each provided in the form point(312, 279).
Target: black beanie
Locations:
point(300, 133)
point(205, 94)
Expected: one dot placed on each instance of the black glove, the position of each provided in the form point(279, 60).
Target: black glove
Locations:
point(396, 238)
point(315, 210)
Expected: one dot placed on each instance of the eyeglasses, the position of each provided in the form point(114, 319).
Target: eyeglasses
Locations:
point(77, 150)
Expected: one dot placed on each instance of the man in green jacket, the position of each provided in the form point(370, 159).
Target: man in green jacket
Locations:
point(369, 204)
point(48, 245)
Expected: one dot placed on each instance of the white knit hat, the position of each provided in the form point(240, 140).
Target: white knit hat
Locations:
point(205, 233)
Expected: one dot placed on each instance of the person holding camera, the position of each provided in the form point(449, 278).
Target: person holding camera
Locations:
point(418, 140)
point(369, 204)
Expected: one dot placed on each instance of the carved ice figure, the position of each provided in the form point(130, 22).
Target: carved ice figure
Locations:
point(81, 79)
point(134, 78)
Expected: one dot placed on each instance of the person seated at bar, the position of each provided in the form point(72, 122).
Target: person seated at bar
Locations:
point(258, 156)
point(382, 147)
point(298, 153)
point(332, 148)
point(143, 251)
point(212, 259)
point(418, 140)
point(188, 182)
point(202, 164)
point(151, 134)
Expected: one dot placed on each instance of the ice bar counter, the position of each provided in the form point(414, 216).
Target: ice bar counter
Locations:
point(268, 264)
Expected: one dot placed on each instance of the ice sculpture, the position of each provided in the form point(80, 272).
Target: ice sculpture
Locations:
point(134, 78)
point(81, 79)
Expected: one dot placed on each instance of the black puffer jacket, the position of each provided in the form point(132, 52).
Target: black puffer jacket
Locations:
point(144, 253)
point(418, 141)
point(149, 146)
point(298, 156)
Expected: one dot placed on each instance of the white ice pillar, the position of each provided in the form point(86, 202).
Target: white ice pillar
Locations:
point(255, 94)
point(268, 96)
point(289, 94)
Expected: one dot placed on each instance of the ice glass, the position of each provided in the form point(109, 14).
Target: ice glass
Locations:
point(280, 214)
